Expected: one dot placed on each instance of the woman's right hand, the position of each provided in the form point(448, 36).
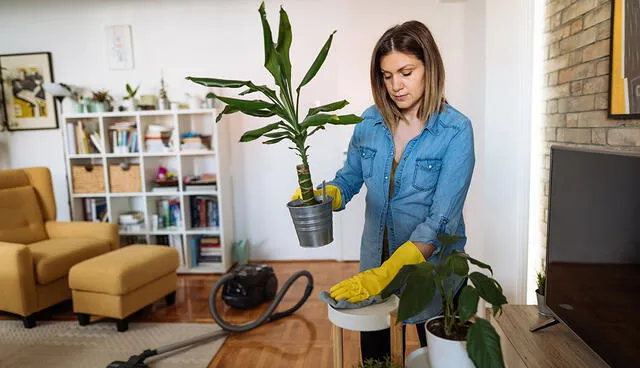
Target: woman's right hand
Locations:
point(332, 191)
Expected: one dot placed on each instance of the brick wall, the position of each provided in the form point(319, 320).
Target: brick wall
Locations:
point(576, 72)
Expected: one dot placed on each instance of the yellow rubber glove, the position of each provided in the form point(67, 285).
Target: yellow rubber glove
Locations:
point(332, 191)
point(372, 282)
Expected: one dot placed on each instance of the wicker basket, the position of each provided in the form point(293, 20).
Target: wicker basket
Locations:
point(125, 180)
point(87, 179)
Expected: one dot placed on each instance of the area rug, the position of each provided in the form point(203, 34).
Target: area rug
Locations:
point(67, 344)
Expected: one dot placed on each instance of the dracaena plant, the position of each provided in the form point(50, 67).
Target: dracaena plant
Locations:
point(420, 282)
point(280, 105)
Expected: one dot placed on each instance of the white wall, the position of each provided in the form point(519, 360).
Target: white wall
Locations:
point(482, 42)
point(509, 56)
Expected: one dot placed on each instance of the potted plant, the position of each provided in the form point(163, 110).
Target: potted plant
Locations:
point(100, 101)
point(458, 337)
point(289, 123)
point(541, 281)
point(130, 99)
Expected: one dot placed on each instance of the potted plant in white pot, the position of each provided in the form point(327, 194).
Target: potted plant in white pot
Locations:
point(130, 103)
point(457, 338)
point(541, 280)
point(312, 216)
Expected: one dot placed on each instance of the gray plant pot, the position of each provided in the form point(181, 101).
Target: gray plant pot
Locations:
point(313, 224)
point(543, 310)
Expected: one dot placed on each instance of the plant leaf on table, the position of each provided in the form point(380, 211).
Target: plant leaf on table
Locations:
point(483, 345)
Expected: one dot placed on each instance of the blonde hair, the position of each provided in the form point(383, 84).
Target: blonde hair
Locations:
point(412, 38)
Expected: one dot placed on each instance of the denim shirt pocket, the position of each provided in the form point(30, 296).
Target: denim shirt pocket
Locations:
point(366, 156)
point(426, 173)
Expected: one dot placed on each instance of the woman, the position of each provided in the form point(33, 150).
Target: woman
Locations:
point(414, 152)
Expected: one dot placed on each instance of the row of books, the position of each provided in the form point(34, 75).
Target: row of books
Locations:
point(83, 140)
point(124, 137)
point(205, 251)
point(204, 211)
point(168, 212)
point(95, 209)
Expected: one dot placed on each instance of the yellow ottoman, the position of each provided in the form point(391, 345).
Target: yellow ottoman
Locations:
point(121, 282)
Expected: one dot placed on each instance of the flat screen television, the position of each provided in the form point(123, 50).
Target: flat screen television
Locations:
point(593, 250)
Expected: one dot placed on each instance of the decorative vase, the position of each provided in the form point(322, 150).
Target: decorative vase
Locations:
point(98, 106)
point(313, 224)
point(543, 310)
point(445, 353)
point(130, 104)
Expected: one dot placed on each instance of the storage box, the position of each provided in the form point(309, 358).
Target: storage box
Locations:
point(87, 179)
point(125, 179)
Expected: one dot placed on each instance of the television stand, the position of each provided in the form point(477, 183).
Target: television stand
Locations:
point(556, 347)
point(544, 324)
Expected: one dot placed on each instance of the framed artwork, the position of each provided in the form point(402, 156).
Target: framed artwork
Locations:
point(119, 47)
point(624, 92)
point(25, 104)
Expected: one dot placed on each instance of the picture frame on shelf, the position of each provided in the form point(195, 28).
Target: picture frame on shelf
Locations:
point(624, 73)
point(25, 104)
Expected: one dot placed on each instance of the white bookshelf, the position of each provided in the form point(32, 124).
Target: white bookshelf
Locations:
point(182, 162)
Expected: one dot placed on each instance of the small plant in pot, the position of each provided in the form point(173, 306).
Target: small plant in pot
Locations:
point(101, 101)
point(312, 216)
point(130, 99)
point(541, 281)
point(458, 337)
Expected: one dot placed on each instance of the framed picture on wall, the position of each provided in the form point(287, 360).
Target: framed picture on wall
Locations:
point(25, 104)
point(624, 92)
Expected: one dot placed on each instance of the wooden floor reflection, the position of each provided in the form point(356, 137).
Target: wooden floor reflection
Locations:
point(300, 340)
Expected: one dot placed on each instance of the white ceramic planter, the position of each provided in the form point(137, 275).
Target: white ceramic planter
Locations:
point(444, 353)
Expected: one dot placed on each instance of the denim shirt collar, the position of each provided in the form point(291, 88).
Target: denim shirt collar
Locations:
point(432, 124)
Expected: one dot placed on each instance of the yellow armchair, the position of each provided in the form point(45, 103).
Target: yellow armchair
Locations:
point(36, 251)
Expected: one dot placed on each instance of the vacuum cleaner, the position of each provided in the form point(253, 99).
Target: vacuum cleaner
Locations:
point(245, 287)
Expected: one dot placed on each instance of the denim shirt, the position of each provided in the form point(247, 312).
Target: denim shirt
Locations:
point(431, 183)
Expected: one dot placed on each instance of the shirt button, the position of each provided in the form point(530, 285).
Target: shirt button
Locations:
point(430, 166)
point(386, 177)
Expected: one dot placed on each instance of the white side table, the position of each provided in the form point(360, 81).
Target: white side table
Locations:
point(371, 318)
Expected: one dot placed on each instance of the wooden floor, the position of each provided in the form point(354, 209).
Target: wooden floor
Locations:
point(300, 340)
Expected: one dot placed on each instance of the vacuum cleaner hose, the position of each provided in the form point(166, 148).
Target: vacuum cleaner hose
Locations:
point(267, 315)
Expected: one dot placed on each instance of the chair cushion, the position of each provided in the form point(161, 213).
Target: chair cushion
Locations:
point(54, 258)
point(20, 216)
point(124, 270)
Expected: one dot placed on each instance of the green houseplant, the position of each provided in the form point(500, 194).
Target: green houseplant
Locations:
point(101, 101)
point(283, 107)
point(130, 98)
point(458, 323)
point(541, 281)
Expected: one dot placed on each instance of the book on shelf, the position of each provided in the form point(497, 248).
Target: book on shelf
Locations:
point(124, 137)
point(194, 142)
point(202, 254)
point(168, 212)
point(175, 241)
point(204, 211)
point(83, 138)
point(95, 209)
point(164, 189)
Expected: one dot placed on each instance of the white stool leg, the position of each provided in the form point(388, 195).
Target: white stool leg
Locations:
point(336, 340)
point(397, 356)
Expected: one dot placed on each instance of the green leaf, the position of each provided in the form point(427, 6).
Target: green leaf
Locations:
point(442, 272)
point(278, 134)
point(321, 119)
point(266, 34)
point(328, 107)
point(474, 261)
point(246, 104)
point(257, 133)
point(398, 281)
point(467, 303)
point(262, 88)
point(284, 43)
point(446, 239)
point(215, 82)
point(230, 109)
point(483, 345)
point(488, 288)
point(315, 130)
point(273, 141)
point(458, 264)
point(418, 292)
point(317, 63)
